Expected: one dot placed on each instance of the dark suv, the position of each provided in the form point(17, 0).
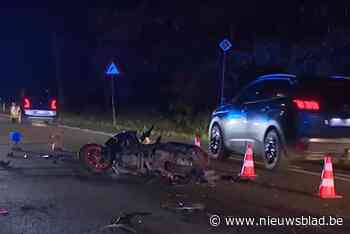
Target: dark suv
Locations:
point(39, 106)
point(286, 117)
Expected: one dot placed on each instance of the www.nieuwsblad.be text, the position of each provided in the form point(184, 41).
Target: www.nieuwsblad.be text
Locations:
point(230, 221)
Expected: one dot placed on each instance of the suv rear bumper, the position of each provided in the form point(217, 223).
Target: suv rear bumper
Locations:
point(316, 148)
point(41, 119)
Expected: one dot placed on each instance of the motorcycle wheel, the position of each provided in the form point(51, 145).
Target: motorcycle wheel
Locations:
point(91, 157)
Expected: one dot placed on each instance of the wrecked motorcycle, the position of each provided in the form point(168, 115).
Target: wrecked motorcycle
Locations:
point(128, 153)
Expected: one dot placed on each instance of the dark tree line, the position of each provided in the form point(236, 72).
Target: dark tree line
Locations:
point(168, 54)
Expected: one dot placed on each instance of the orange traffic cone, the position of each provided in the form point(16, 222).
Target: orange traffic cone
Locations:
point(197, 139)
point(248, 171)
point(327, 188)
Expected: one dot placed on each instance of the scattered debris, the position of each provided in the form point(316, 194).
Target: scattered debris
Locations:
point(27, 208)
point(124, 222)
point(16, 148)
point(40, 209)
point(211, 177)
point(3, 212)
point(5, 164)
point(230, 178)
point(184, 206)
point(177, 195)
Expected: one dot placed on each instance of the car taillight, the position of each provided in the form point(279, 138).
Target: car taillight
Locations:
point(26, 103)
point(53, 104)
point(306, 104)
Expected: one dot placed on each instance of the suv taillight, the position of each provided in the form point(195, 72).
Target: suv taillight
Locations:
point(26, 103)
point(306, 104)
point(53, 104)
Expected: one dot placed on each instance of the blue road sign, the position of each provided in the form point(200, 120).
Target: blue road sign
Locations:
point(225, 45)
point(112, 70)
point(15, 137)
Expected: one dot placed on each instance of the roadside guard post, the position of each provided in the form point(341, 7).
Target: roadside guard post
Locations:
point(113, 72)
point(15, 113)
point(56, 138)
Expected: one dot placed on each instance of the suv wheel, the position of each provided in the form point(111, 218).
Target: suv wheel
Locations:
point(274, 156)
point(216, 145)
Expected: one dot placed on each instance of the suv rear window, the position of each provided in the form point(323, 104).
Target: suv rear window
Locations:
point(331, 92)
point(276, 88)
point(264, 89)
point(39, 93)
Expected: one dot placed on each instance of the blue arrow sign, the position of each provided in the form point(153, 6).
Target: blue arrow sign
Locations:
point(112, 70)
point(225, 45)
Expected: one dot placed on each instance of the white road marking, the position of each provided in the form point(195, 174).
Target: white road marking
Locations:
point(342, 175)
point(39, 124)
point(296, 169)
point(4, 116)
point(86, 130)
point(346, 179)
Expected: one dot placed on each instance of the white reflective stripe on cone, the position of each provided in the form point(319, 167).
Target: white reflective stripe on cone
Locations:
point(328, 167)
point(327, 183)
point(248, 164)
point(197, 142)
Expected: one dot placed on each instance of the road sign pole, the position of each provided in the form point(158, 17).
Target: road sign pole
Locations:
point(225, 45)
point(114, 113)
point(222, 97)
point(113, 72)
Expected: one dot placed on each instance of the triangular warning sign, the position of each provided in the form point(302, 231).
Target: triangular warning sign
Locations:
point(112, 70)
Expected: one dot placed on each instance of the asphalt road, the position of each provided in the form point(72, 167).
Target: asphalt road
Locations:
point(59, 197)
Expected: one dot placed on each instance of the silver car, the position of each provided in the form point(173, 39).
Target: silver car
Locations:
point(285, 117)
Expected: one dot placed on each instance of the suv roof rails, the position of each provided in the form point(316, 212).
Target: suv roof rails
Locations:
point(269, 76)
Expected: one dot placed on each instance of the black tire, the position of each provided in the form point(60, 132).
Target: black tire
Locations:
point(216, 146)
point(274, 156)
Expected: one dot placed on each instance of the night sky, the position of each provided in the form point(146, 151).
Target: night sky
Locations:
point(24, 48)
point(167, 38)
point(26, 43)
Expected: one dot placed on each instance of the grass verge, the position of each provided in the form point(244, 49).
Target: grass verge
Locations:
point(178, 128)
